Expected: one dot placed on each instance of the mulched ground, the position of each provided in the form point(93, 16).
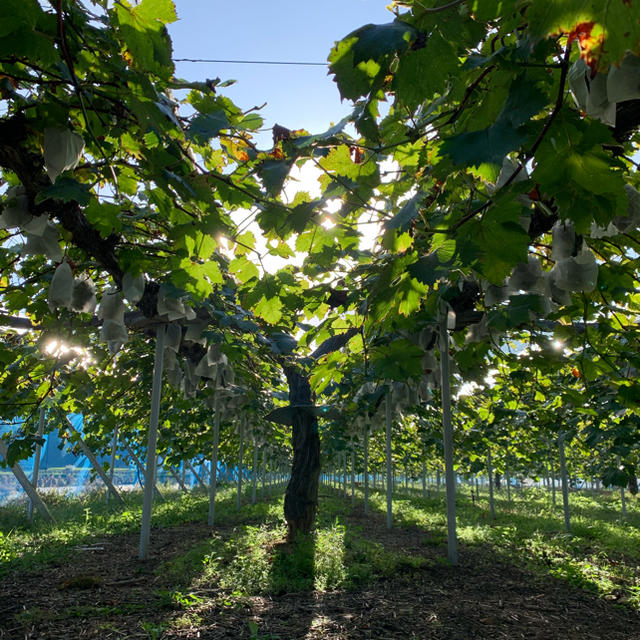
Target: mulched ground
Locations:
point(483, 598)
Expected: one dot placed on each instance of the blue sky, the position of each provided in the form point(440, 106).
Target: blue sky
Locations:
point(286, 30)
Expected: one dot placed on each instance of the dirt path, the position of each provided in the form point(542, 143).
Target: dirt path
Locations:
point(106, 593)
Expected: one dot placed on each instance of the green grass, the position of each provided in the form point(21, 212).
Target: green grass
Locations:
point(79, 520)
point(247, 553)
point(255, 559)
point(601, 554)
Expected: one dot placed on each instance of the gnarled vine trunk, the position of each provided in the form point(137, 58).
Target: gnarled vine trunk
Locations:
point(301, 497)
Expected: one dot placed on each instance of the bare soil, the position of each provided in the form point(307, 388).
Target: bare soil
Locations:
point(105, 592)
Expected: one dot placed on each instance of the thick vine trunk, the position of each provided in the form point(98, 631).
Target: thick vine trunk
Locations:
point(301, 497)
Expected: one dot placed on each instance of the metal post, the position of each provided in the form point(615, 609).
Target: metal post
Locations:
point(150, 475)
point(447, 428)
point(553, 479)
point(388, 457)
point(623, 499)
point(366, 467)
point(353, 476)
point(254, 479)
point(492, 505)
point(565, 483)
point(424, 479)
point(507, 477)
point(264, 471)
point(140, 466)
point(27, 486)
point(36, 461)
point(94, 463)
point(240, 457)
point(344, 477)
point(214, 455)
point(406, 480)
point(114, 447)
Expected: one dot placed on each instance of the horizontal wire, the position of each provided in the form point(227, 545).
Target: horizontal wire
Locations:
point(302, 64)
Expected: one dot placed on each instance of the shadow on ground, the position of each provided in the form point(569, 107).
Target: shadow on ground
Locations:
point(103, 592)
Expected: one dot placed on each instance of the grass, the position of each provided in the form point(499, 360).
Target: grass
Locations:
point(79, 520)
point(253, 559)
point(247, 554)
point(601, 554)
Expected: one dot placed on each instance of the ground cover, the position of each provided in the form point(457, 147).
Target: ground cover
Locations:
point(519, 576)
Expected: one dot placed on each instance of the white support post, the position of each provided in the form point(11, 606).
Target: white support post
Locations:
point(353, 476)
point(264, 471)
point(623, 498)
point(507, 477)
point(27, 486)
point(565, 483)
point(254, 478)
point(112, 464)
point(140, 466)
point(388, 421)
point(447, 428)
point(344, 460)
point(492, 504)
point(94, 463)
point(553, 478)
point(152, 442)
point(36, 461)
point(424, 479)
point(366, 467)
point(240, 461)
point(406, 480)
point(214, 455)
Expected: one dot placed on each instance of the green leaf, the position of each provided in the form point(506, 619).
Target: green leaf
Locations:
point(273, 174)
point(145, 36)
point(587, 182)
point(409, 294)
point(409, 211)
point(104, 216)
point(283, 343)
point(243, 269)
point(361, 56)
point(269, 309)
point(67, 190)
point(26, 31)
point(492, 144)
point(399, 360)
point(206, 126)
point(353, 81)
point(503, 241)
point(524, 308)
point(428, 269)
point(374, 41)
point(423, 73)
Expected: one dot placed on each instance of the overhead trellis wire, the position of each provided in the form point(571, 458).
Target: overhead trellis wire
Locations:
point(273, 62)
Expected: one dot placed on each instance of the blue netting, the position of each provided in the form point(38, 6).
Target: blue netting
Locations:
point(62, 467)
